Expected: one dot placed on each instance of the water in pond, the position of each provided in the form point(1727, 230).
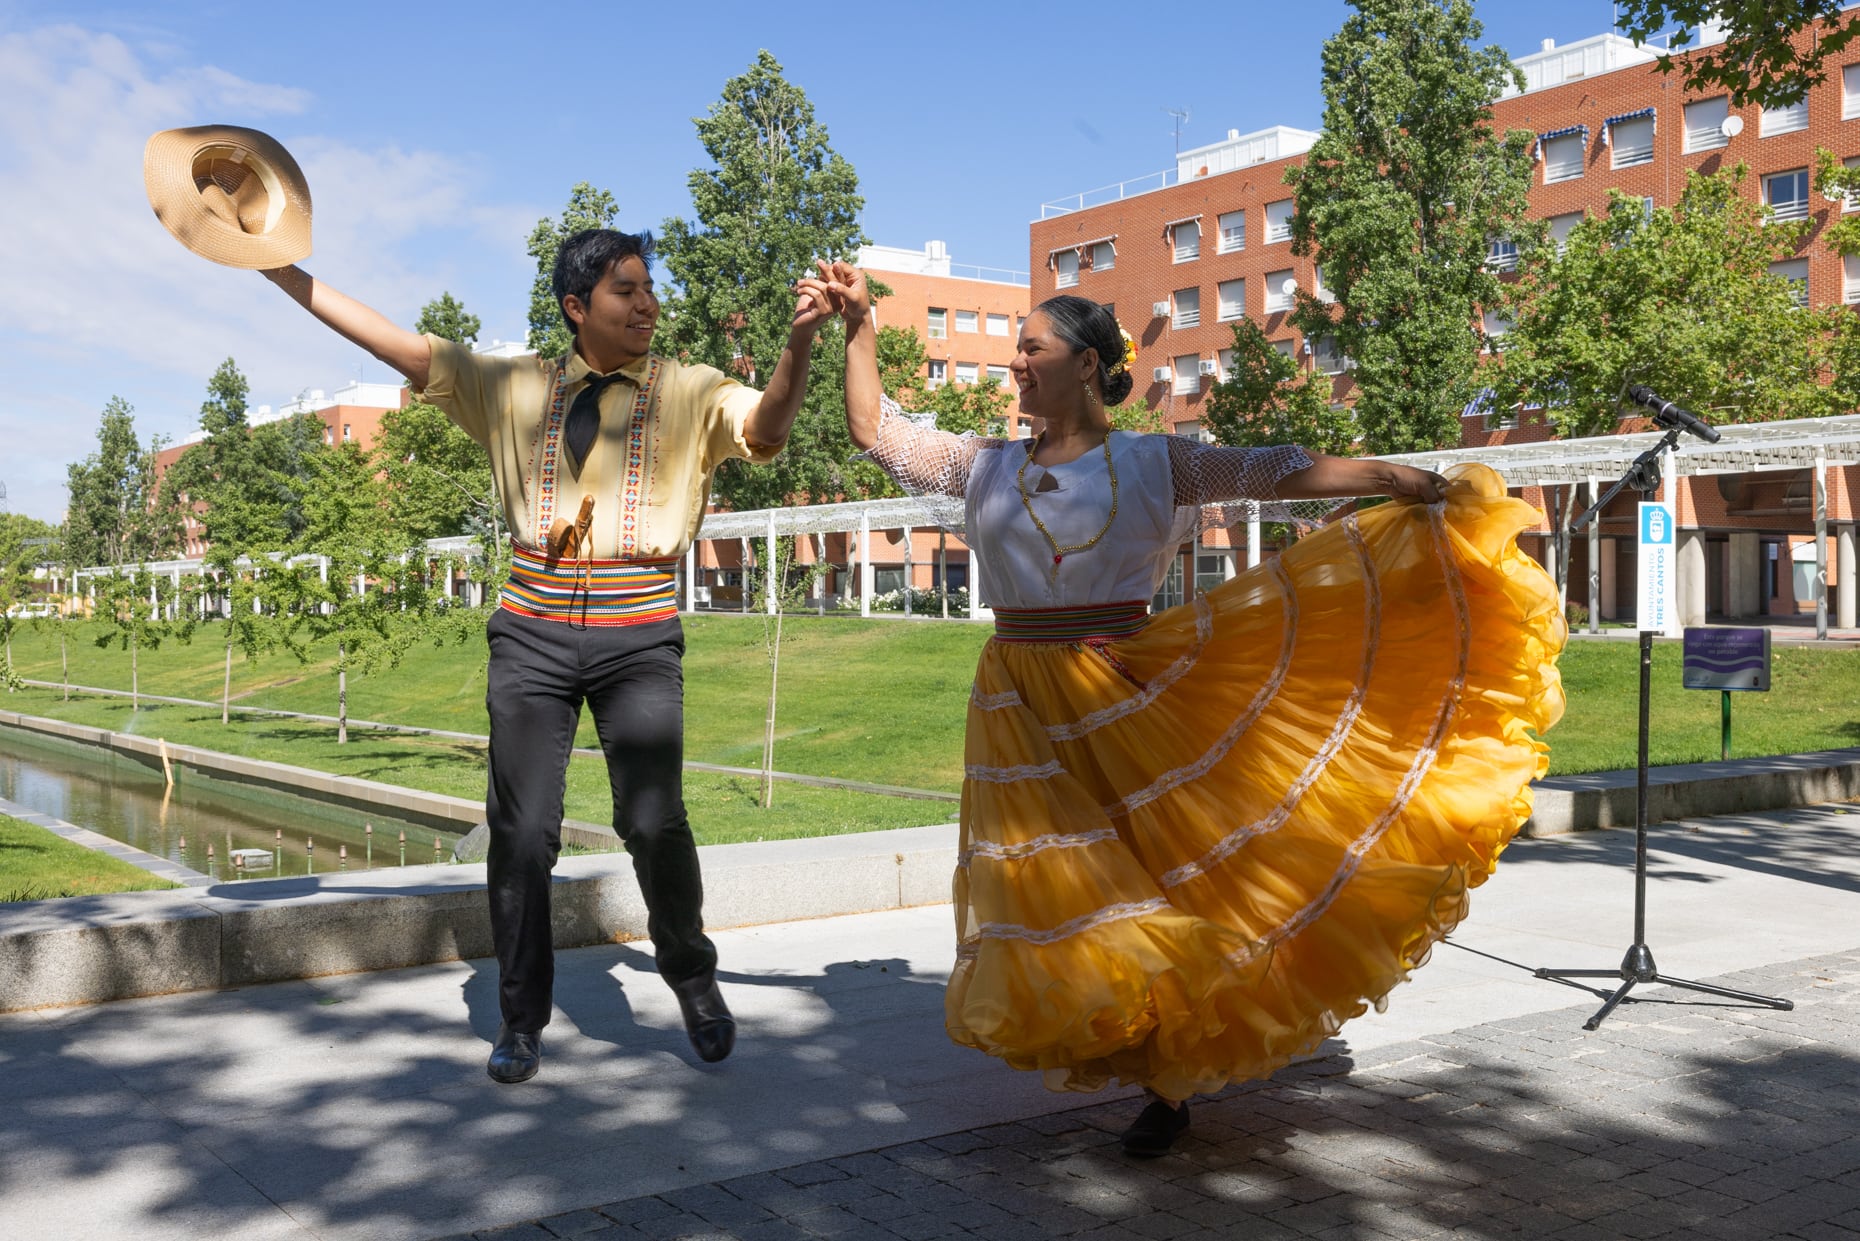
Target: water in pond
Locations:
point(213, 826)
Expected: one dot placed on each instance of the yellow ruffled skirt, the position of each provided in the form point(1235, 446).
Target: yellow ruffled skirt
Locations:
point(1191, 854)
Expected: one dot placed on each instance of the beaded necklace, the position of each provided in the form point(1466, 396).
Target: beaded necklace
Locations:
point(1020, 481)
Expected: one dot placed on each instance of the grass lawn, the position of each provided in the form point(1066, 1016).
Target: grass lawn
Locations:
point(36, 865)
point(881, 701)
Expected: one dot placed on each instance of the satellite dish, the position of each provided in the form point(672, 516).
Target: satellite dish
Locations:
point(1733, 126)
point(1290, 286)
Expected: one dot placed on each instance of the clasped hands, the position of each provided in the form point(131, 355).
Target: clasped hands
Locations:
point(839, 289)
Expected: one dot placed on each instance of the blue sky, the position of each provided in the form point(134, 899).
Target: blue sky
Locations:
point(435, 136)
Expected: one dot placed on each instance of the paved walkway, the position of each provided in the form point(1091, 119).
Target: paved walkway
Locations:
point(357, 1106)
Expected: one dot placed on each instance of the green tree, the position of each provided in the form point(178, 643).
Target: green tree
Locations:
point(1265, 400)
point(111, 515)
point(777, 197)
point(261, 603)
point(137, 611)
point(1139, 416)
point(242, 485)
point(24, 545)
point(1769, 54)
point(1680, 299)
point(439, 479)
point(447, 318)
point(1398, 200)
point(587, 208)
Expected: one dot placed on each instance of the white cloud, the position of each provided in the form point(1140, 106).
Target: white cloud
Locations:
point(96, 299)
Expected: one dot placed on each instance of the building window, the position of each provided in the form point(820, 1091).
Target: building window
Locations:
point(939, 323)
point(1066, 269)
point(1103, 256)
point(968, 321)
point(1233, 231)
point(1851, 202)
point(1187, 240)
point(1632, 142)
point(1280, 291)
point(1319, 289)
point(1494, 324)
point(346, 433)
point(1187, 308)
point(1850, 92)
point(1560, 228)
point(329, 436)
point(1795, 271)
point(1501, 254)
point(997, 325)
point(1563, 158)
point(1850, 279)
point(997, 374)
point(1788, 119)
point(1705, 124)
point(939, 373)
point(1287, 347)
point(1326, 356)
point(1187, 377)
point(1787, 194)
point(1226, 365)
point(966, 372)
point(1279, 221)
point(1233, 299)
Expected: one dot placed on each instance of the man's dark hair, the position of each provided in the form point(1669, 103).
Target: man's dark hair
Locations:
point(587, 256)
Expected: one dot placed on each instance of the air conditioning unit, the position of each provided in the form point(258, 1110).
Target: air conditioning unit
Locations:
point(1162, 374)
point(1159, 310)
point(1209, 366)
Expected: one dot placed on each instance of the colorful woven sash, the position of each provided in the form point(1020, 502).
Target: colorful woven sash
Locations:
point(1099, 622)
point(591, 592)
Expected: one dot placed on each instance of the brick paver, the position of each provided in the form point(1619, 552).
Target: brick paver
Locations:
point(1682, 1117)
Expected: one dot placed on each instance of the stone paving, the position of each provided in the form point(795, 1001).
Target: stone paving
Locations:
point(1682, 1116)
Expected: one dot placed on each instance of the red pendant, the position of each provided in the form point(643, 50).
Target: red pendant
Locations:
point(1059, 557)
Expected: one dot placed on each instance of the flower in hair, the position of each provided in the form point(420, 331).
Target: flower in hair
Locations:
point(1130, 354)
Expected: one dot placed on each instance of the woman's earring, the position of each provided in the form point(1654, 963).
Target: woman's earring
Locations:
point(1091, 397)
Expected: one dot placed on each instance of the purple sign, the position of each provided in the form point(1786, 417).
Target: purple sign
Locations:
point(1726, 658)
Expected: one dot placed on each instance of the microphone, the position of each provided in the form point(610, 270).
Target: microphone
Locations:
point(1668, 414)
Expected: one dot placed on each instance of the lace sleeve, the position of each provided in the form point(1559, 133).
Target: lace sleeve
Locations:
point(923, 460)
point(1205, 474)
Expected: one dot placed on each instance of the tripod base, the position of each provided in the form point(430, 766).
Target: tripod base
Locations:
point(1638, 967)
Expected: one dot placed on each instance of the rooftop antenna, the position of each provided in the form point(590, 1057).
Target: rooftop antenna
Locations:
point(1181, 119)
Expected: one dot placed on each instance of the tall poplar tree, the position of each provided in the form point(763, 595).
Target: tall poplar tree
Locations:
point(112, 517)
point(777, 198)
point(1398, 200)
point(587, 208)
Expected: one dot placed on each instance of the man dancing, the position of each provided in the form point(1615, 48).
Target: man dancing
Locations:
point(603, 460)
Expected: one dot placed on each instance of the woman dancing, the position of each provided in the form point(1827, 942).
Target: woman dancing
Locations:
point(1194, 843)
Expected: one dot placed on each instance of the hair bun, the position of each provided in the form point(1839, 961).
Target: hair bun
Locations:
point(1117, 387)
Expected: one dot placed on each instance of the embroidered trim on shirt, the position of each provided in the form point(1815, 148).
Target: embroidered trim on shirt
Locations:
point(633, 484)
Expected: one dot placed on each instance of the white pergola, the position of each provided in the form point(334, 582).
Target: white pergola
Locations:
point(1802, 444)
point(1813, 444)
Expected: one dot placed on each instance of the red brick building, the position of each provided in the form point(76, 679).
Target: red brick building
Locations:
point(1183, 253)
point(353, 414)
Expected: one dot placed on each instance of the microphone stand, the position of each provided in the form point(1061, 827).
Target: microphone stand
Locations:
point(1637, 966)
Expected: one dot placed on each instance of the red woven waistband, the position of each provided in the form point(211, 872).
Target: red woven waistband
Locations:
point(1096, 622)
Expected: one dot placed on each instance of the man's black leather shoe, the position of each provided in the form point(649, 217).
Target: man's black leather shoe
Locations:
point(707, 1017)
point(516, 1057)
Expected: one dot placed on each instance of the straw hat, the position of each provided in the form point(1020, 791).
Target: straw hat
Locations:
point(229, 194)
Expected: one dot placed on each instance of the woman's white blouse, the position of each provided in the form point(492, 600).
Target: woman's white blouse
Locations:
point(1162, 482)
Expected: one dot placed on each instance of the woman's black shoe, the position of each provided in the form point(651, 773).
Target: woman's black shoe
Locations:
point(1156, 1129)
